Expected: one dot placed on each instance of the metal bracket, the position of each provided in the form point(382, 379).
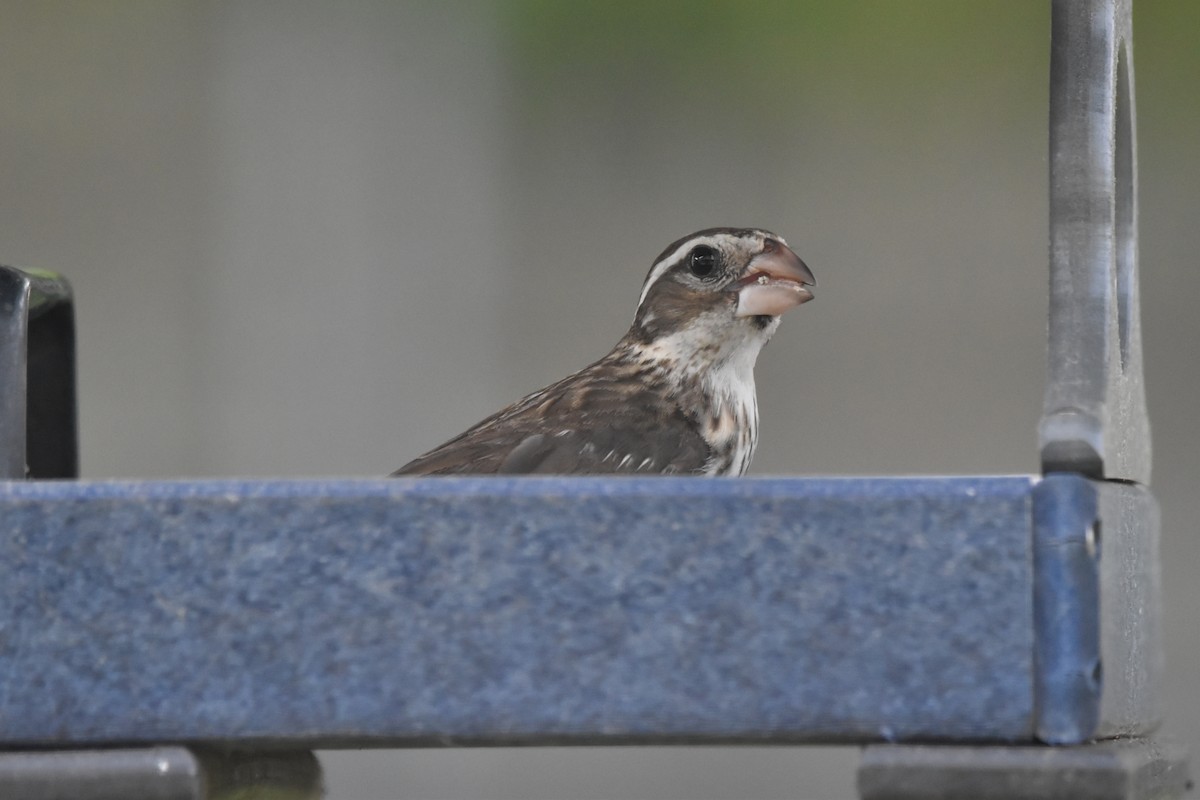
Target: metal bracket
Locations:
point(1094, 419)
point(38, 436)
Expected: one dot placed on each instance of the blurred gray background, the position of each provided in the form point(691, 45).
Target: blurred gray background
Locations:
point(318, 238)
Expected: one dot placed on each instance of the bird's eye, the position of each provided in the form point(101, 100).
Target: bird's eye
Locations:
point(702, 261)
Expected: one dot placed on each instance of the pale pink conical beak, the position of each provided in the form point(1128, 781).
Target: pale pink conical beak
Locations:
point(775, 281)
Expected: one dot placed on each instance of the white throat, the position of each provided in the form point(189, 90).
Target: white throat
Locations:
point(720, 361)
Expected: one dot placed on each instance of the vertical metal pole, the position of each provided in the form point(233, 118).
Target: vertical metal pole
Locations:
point(1094, 419)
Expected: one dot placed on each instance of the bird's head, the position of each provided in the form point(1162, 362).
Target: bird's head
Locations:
point(721, 287)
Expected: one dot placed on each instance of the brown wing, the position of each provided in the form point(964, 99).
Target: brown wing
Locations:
point(671, 449)
point(599, 421)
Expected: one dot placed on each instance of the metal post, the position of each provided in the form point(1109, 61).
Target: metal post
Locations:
point(1094, 420)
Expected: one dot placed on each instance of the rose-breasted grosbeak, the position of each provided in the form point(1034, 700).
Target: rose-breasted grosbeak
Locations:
point(676, 395)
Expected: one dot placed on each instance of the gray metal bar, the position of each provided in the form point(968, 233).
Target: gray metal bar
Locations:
point(38, 436)
point(151, 773)
point(159, 773)
point(1125, 769)
point(1094, 419)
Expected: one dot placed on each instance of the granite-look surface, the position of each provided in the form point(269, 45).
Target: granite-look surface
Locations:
point(443, 610)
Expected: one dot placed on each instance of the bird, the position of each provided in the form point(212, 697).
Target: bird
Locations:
point(675, 396)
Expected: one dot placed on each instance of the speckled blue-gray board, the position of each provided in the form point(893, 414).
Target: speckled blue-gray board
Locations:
point(491, 610)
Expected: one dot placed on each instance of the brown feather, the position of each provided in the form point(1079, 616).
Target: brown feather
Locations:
point(606, 418)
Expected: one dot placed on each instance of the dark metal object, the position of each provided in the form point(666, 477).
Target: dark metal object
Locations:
point(159, 773)
point(38, 436)
point(1094, 419)
point(1123, 769)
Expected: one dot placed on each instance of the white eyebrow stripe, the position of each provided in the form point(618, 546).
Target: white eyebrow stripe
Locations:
point(677, 255)
point(662, 266)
